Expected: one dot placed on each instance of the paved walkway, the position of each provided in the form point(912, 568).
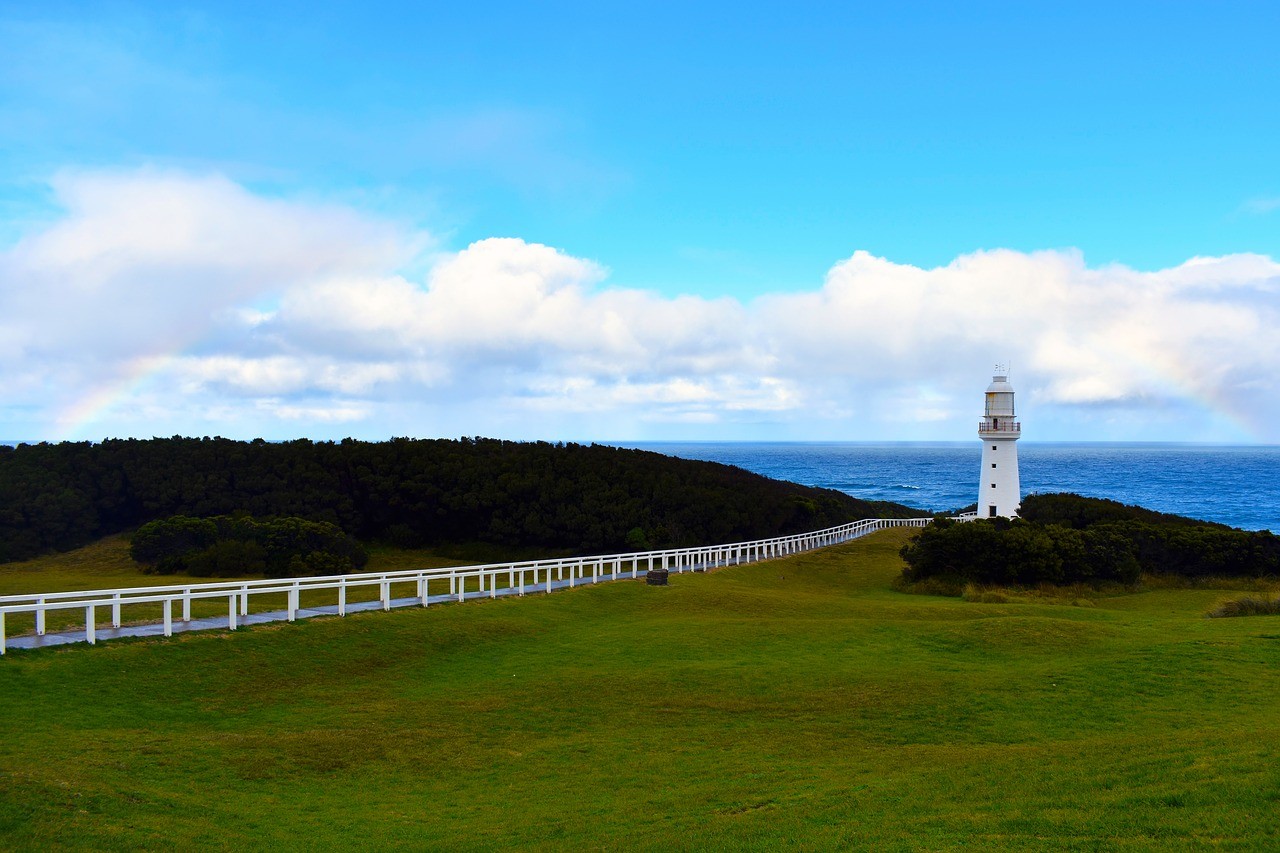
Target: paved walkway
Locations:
point(213, 623)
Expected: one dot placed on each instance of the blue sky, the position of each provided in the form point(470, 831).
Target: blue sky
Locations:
point(1039, 176)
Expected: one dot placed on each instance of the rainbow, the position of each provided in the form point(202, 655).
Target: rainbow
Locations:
point(1173, 373)
point(73, 421)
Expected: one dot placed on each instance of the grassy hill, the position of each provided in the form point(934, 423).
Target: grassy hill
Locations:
point(801, 703)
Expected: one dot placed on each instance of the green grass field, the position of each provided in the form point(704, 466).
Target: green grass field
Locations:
point(797, 704)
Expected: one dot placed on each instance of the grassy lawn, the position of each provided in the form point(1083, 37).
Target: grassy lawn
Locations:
point(798, 704)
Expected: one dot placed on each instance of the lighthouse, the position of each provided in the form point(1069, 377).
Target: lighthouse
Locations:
point(999, 492)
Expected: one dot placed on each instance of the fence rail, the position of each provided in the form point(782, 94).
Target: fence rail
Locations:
point(462, 582)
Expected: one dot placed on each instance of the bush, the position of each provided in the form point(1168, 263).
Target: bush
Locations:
point(1248, 605)
point(164, 543)
point(1063, 539)
point(228, 559)
point(231, 546)
point(1000, 552)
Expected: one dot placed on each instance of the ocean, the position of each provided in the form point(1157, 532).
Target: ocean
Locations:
point(1235, 485)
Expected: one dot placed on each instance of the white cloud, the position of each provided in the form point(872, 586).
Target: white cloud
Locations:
point(146, 262)
point(337, 412)
point(1261, 205)
point(283, 317)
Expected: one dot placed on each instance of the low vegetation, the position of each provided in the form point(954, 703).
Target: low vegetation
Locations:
point(794, 704)
point(1068, 539)
point(234, 546)
point(1247, 605)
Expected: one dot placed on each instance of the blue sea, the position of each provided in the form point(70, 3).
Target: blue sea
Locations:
point(1235, 485)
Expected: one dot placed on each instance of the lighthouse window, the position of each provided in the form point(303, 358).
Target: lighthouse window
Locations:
point(991, 511)
point(993, 485)
point(993, 447)
point(993, 464)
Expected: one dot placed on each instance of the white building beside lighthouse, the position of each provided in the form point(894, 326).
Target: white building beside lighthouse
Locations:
point(999, 492)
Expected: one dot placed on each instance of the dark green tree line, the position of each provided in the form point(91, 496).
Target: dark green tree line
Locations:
point(406, 491)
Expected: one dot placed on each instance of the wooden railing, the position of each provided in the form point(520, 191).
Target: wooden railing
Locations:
point(461, 582)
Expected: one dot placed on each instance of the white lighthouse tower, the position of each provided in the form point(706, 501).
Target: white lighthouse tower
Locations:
point(999, 492)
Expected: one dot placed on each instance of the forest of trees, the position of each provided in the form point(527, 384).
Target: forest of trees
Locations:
point(1065, 538)
point(405, 491)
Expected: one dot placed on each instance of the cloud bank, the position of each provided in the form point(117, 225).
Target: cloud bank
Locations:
point(161, 302)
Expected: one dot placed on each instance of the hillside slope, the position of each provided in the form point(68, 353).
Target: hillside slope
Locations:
point(796, 704)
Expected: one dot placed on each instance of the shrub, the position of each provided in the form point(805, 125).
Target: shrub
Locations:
point(1064, 539)
point(229, 546)
point(228, 559)
point(1000, 552)
point(1248, 605)
point(163, 544)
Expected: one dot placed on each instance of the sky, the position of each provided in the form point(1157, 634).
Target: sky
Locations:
point(631, 222)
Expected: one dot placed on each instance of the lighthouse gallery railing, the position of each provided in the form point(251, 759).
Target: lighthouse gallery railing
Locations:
point(462, 581)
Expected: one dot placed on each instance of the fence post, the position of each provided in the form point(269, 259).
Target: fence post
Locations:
point(244, 600)
point(168, 617)
point(231, 611)
point(186, 605)
point(292, 602)
point(115, 610)
point(386, 594)
point(2, 640)
point(342, 597)
point(40, 616)
point(90, 629)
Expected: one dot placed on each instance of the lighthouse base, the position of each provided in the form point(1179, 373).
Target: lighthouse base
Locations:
point(999, 492)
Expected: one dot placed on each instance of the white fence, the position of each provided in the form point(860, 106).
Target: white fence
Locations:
point(462, 582)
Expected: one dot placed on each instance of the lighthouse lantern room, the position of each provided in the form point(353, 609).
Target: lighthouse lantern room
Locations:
point(999, 492)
